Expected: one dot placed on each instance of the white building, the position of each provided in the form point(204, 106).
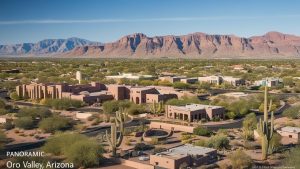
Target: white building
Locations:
point(78, 76)
point(270, 82)
point(129, 76)
point(215, 79)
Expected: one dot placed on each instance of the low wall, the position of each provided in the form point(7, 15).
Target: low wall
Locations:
point(135, 164)
point(169, 126)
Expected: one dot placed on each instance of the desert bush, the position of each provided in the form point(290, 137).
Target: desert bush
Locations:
point(219, 141)
point(292, 112)
point(52, 124)
point(8, 125)
point(292, 157)
point(3, 139)
point(142, 147)
point(34, 112)
point(239, 159)
point(201, 143)
point(63, 104)
point(24, 123)
point(84, 153)
point(202, 131)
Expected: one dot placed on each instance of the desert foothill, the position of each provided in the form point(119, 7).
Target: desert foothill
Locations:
point(159, 84)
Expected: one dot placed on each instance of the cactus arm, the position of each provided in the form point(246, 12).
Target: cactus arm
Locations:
point(270, 106)
point(119, 140)
point(266, 104)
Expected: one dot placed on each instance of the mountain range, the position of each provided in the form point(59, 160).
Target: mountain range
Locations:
point(47, 46)
point(195, 45)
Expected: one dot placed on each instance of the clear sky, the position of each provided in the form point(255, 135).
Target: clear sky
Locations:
point(108, 20)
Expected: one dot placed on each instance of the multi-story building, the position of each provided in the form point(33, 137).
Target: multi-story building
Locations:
point(89, 93)
point(190, 155)
point(194, 112)
point(96, 92)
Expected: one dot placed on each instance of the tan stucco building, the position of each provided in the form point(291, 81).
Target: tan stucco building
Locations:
point(187, 154)
point(89, 93)
point(290, 132)
point(194, 112)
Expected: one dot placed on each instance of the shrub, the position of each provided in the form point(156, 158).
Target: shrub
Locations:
point(14, 96)
point(219, 141)
point(158, 150)
point(24, 123)
point(34, 112)
point(84, 153)
point(136, 109)
point(2, 104)
point(292, 112)
point(180, 85)
point(250, 121)
point(154, 141)
point(183, 101)
point(292, 157)
point(201, 143)
point(202, 131)
point(62, 104)
point(239, 159)
point(2, 139)
point(275, 143)
point(52, 124)
point(142, 147)
point(8, 125)
point(3, 111)
point(77, 148)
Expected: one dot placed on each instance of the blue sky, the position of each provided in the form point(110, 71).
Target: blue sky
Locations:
point(108, 20)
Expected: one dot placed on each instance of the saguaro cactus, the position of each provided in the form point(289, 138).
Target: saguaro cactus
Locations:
point(112, 139)
point(157, 108)
point(264, 128)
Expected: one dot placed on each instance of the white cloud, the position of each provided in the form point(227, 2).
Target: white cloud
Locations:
point(209, 18)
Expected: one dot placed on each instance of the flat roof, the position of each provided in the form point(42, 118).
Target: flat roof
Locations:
point(185, 150)
point(193, 107)
point(291, 129)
